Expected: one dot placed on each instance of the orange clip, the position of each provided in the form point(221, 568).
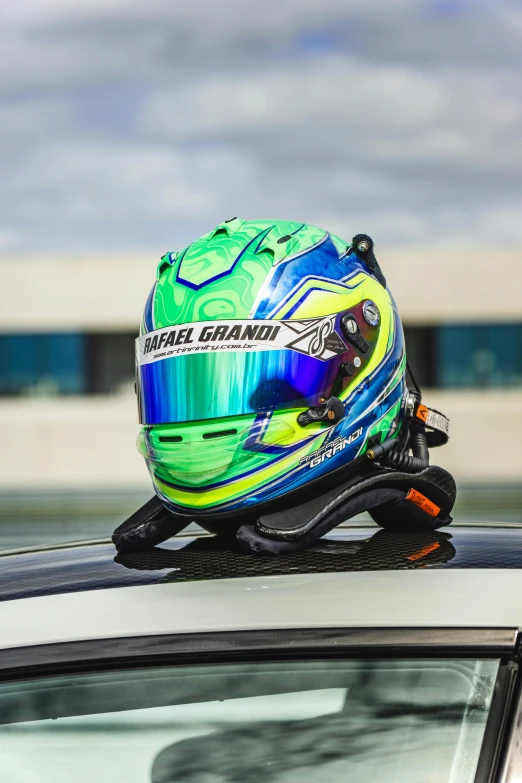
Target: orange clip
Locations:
point(422, 413)
point(422, 502)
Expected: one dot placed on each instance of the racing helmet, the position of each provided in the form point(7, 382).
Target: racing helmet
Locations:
point(270, 359)
point(271, 382)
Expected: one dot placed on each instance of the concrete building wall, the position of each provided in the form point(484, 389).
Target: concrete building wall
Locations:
point(90, 442)
point(70, 442)
point(81, 442)
point(430, 287)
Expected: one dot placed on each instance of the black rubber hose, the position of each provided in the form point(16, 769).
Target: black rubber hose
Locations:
point(419, 443)
point(409, 464)
point(419, 446)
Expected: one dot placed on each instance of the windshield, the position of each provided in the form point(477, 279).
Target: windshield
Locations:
point(393, 721)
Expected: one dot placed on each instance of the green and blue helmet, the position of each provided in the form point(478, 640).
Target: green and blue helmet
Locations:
point(244, 331)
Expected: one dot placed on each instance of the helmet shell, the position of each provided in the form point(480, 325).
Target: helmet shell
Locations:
point(220, 430)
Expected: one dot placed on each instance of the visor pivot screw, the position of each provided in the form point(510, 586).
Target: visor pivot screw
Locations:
point(371, 313)
point(363, 246)
point(351, 329)
point(357, 361)
point(351, 325)
point(322, 400)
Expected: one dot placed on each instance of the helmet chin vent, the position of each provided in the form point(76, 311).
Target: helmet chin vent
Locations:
point(220, 434)
point(170, 438)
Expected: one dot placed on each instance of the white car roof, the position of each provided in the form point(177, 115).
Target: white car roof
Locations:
point(470, 598)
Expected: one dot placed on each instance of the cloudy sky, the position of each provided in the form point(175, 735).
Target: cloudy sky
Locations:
point(139, 124)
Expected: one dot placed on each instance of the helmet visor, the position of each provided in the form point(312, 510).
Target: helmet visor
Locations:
point(182, 376)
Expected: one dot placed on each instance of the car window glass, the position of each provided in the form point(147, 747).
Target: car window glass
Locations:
point(393, 721)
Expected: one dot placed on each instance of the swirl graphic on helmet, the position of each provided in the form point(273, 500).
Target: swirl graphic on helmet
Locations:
point(318, 343)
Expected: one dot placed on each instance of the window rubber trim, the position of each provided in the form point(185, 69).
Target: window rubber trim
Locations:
point(498, 729)
point(123, 652)
point(134, 652)
point(510, 753)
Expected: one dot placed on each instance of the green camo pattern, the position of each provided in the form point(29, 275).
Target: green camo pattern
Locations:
point(232, 296)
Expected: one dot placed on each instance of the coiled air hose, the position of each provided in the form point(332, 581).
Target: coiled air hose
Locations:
point(387, 453)
point(415, 463)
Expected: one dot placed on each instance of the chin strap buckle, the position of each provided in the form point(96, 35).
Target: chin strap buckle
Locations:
point(330, 411)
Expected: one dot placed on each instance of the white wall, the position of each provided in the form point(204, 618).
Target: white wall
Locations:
point(90, 442)
point(104, 293)
point(439, 286)
point(89, 294)
point(72, 443)
point(486, 433)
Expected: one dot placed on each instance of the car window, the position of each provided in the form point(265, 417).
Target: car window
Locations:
point(358, 720)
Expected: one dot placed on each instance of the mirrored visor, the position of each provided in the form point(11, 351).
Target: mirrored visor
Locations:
point(183, 376)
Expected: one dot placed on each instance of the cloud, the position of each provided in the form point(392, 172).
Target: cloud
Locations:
point(8, 239)
point(24, 121)
point(387, 114)
point(130, 124)
point(293, 97)
point(84, 192)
